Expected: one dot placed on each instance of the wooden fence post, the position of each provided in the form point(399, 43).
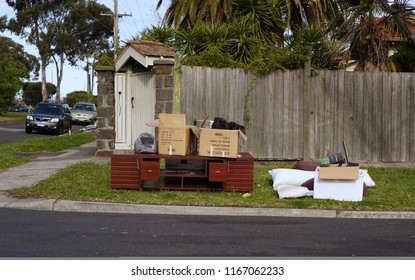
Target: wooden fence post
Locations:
point(308, 115)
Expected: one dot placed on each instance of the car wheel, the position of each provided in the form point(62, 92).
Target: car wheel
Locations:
point(28, 130)
point(60, 130)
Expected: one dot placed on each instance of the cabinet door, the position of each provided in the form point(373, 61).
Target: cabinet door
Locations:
point(217, 172)
point(149, 170)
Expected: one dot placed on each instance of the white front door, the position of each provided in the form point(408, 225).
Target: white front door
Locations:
point(142, 103)
point(135, 99)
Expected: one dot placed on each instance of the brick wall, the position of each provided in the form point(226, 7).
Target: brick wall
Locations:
point(105, 142)
point(164, 70)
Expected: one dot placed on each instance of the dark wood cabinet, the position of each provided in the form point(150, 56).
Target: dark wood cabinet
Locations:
point(192, 172)
point(217, 171)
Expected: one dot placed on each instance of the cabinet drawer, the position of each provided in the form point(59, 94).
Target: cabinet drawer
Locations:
point(217, 172)
point(149, 170)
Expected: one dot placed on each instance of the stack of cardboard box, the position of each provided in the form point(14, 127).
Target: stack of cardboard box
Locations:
point(177, 138)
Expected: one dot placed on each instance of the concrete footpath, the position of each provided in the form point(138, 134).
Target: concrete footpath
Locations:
point(47, 164)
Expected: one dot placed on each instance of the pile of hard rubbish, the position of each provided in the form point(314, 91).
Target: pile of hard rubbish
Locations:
point(334, 177)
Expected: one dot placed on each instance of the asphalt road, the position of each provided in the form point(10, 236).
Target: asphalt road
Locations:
point(25, 233)
point(15, 130)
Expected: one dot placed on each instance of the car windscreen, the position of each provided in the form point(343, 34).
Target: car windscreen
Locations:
point(84, 107)
point(48, 109)
point(78, 107)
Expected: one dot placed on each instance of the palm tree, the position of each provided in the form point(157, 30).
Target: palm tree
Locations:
point(256, 25)
point(265, 17)
point(202, 37)
point(162, 33)
point(365, 24)
point(304, 12)
point(401, 11)
point(242, 41)
point(187, 13)
point(299, 13)
point(323, 52)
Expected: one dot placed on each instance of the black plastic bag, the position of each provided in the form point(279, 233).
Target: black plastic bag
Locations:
point(220, 123)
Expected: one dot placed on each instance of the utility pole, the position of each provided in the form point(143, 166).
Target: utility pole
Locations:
point(116, 16)
point(115, 27)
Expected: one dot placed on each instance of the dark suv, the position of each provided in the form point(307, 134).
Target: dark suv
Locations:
point(49, 117)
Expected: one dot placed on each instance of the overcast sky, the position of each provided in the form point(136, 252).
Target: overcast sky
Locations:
point(144, 15)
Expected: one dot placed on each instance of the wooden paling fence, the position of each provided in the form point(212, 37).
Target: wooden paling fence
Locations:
point(298, 114)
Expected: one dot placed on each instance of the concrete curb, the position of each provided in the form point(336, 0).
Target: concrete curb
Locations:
point(77, 206)
point(377, 214)
point(120, 208)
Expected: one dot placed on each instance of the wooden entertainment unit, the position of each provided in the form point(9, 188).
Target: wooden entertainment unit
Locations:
point(131, 170)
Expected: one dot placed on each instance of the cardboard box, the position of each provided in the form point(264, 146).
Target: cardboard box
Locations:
point(335, 172)
point(174, 136)
point(345, 190)
point(218, 143)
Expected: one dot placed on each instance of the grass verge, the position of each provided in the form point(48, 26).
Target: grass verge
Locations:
point(87, 181)
point(9, 152)
point(12, 116)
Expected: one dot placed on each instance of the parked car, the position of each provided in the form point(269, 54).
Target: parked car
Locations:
point(19, 108)
point(49, 117)
point(84, 112)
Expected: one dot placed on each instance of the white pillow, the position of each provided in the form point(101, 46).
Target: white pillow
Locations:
point(288, 176)
point(367, 179)
point(287, 191)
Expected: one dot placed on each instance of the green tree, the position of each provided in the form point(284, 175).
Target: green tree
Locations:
point(264, 17)
point(201, 37)
point(254, 40)
point(61, 30)
point(86, 36)
point(314, 44)
point(15, 66)
point(315, 28)
point(3, 23)
point(242, 40)
point(405, 57)
point(212, 57)
point(161, 33)
point(32, 92)
point(79, 96)
point(255, 23)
